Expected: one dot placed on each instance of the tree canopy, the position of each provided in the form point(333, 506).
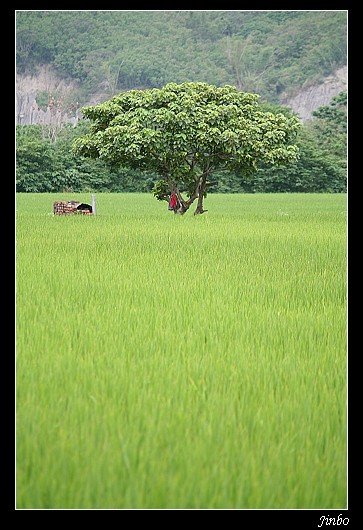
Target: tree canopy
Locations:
point(184, 132)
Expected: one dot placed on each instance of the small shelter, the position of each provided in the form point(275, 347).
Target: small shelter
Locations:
point(71, 207)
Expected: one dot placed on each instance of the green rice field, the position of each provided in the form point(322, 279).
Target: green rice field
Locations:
point(192, 362)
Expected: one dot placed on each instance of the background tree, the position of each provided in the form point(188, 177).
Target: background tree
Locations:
point(34, 161)
point(322, 162)
point(43, 165)
point(330, 124)
point(314, 171)
point(185, 133)
point(248, 62)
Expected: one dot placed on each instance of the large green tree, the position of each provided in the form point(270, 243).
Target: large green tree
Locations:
point(185, 132)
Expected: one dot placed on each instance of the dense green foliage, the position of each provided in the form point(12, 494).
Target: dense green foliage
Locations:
point(187, 132)
point(181, 362)
point(43, 165)
point(322, 164)
point(267, 52)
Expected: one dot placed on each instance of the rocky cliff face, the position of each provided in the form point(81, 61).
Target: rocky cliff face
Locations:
point(58, 95)
point(310, 98)
point(63, 108)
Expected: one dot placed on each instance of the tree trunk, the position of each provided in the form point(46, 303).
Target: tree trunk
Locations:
point(199, 208)
point(201, 189)
point(181, 209)
point(184, 205)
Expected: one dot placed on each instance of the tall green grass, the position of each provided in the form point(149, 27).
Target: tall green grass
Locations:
point(182, 362)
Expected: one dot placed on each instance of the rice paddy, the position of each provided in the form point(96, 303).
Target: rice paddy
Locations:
point(182, 362)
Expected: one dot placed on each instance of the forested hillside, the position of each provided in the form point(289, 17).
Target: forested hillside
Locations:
point(68, 59)
point(273, 53)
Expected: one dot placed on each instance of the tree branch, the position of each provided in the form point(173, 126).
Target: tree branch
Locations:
point(200, 186)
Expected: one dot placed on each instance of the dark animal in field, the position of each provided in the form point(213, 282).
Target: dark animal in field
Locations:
point(84, 206)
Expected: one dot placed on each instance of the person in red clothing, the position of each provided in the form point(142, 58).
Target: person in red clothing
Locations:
point(173, 202)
